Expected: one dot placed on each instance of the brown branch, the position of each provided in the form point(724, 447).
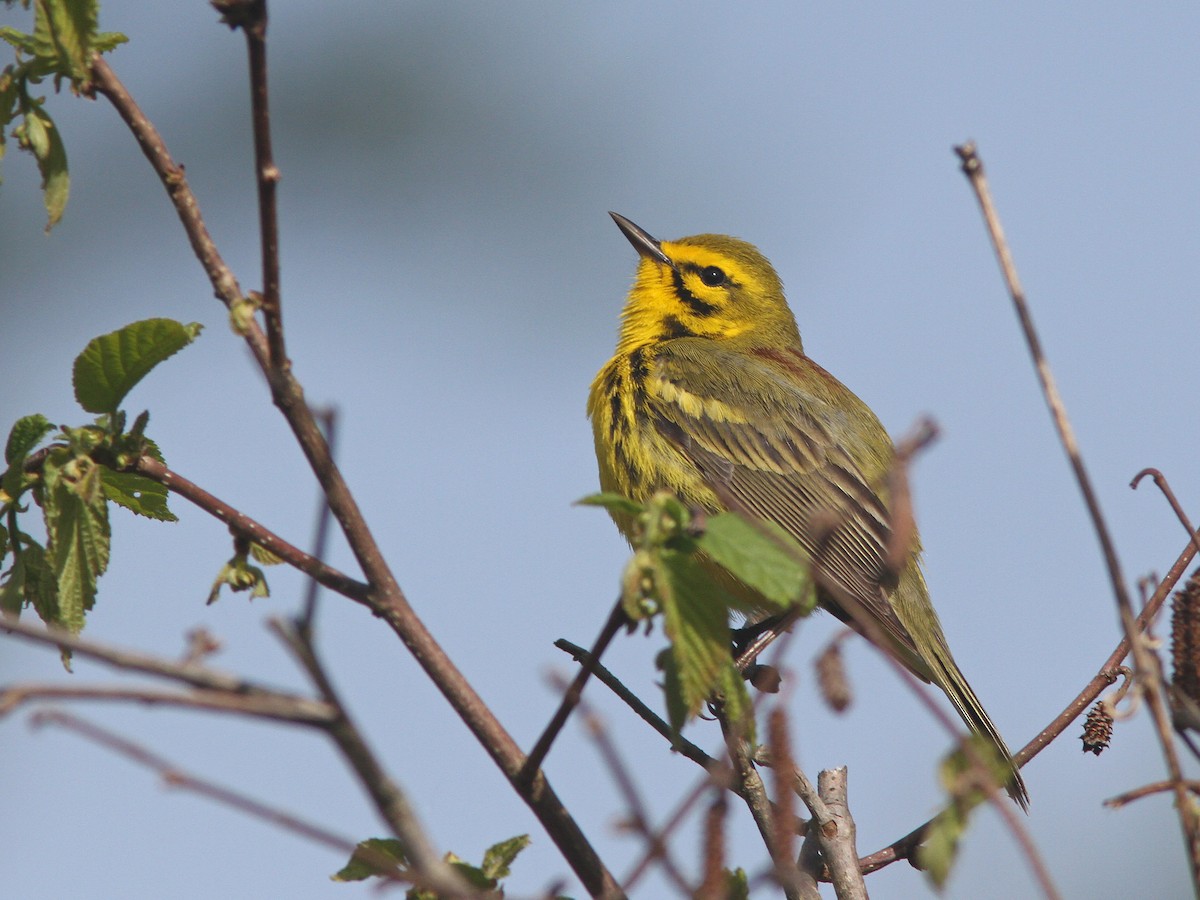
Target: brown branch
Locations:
point(1160, 481)
point(278, 707)
point(656, 845)
point(254, 26)
point(431, 869)
point(837, 843)
point(749, 786)
point(244, 526)
point(187, 673)
point(1146, 790)
point(386, 600)
point(678, 742)
point(174, 776)
point(105, 82)
point(573, 692)
point(1145, 663)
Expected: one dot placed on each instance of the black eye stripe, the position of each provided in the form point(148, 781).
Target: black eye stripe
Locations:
point(694, 303)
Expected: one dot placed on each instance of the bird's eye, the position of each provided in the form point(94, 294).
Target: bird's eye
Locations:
point(712, 276)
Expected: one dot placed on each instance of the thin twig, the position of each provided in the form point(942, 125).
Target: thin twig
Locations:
point(277, 707)
point(639, 819)
point(1160, 481)
point(1145, 664)
point(431, 870)
point(678, 742)
point(244, 526)
point(572, 693)
point(254, 26)
point(174, 776)
point(1146, 790)
point(329, 420)
point(387, 600)
point(749, 786)
point(189, 673)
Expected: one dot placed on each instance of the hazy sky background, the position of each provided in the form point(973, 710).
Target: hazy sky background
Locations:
point(452, 282)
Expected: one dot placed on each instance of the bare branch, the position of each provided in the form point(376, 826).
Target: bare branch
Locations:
point(386, 599)
point(253, 23)
point(431, 869)
point(225, 286)
point(573, 692)
point(187, 672)
point(837, 842)
point(1147, 790)
point(750, 788)
point(244, 526)
point(1146, 664)
point(279, 707)
point(174, 776)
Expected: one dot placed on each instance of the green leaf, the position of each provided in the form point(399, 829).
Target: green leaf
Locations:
point(18, 40)
point(738, 709)
point(239, 575)
point(677, 711)
point(71, 25)
point(137, 493)
point(112, 364)
point(370, 858)
point(696, 619)
point(26, 434)
point(107, 41)
point(940, 848)
point(737, 885)
point(614, 503)
point(12, 590)
point(40, 135)
point(30, 582)
point(77, 533)
point(499, 857)
point(262, 555)
point(756, 559)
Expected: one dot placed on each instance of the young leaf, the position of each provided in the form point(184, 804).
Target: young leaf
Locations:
point(738, 708)
point(75, 24)
point(78, 534)
point(370, 858)
point(937, 853)
point(137, 493)
point(30, 582)
point(498, 858)
point(40, 136)
point(756, 559)
point(12, 591)
point(26, 434)
point(737, 885)
point(614, 503)
point(112, 364)
point(696, 614)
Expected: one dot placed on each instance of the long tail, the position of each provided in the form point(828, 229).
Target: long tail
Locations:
point(950, 679)
point(911, 603)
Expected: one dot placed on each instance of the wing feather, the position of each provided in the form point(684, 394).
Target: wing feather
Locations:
point(790, 470)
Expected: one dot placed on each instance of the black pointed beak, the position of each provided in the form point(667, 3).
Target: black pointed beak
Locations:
point(642, 242)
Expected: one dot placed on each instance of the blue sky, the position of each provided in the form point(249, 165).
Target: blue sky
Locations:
point(452, 282)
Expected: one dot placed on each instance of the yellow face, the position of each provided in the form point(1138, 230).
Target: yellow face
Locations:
point(709, 286)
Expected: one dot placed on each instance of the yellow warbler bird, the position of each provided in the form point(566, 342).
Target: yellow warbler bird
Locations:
point(710, 386)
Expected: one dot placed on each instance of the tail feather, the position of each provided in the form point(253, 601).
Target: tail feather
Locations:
point(950, 679)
